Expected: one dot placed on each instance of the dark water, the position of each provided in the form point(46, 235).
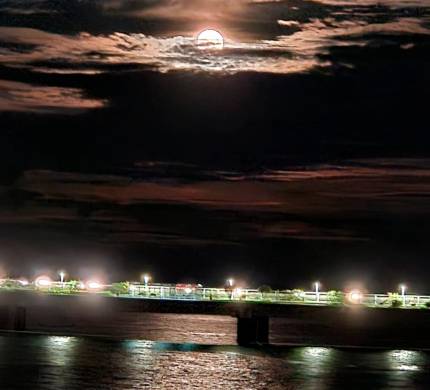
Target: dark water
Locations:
point(30, 361)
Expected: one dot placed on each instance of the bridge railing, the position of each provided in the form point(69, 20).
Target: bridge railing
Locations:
point(277, 296)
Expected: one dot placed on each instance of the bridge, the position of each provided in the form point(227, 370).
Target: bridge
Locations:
point(339, 318)
point(193, 292)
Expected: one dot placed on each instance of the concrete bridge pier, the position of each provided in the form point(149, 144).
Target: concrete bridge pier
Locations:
point(252, 330)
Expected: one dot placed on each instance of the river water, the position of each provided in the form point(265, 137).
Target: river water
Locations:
point(211, 361)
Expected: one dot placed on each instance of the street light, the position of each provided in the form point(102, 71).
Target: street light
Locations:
point(146, 279)
point(62, 275)
point(94, 285)
point(403, 290)
point(230, 282)
point(43, 282)
point(237, 292)
point(317, 291)
point(355, 297)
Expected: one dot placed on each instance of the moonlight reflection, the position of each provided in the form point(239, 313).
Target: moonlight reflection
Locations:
point(210, 38)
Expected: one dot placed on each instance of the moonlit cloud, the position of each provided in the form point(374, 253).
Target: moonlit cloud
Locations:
point(164, 54)
point(191, 9)
point(387, 3)
point(15, 96)
point(296, 45)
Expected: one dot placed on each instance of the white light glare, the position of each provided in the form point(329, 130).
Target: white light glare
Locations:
point(355, 296)
point(43, 281)
point(238, 292)
point(94, 285)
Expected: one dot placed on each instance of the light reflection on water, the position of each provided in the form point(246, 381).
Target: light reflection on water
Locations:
point(404, 366)
point(55, 362)
point(405, 360)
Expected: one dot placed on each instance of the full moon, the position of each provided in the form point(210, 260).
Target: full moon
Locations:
point(210, 38)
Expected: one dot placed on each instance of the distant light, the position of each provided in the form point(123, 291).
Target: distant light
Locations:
point(317, 290)
point(188, 290)
point(43, 281)
point(146, 278)
point(403, 290)
point(81, 285)
point(94, 285)
point(355, 296)
point(238, 292)
point(23, 282)
point(62, 275)
point(230, 282)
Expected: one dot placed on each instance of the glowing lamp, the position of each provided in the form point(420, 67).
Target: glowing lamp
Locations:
point(93, 285)
point(403, 290)
point(43, 282)
point(188, 290)
point(317, 290)
point(355, 297)
point(238, 292)
point(146, 279)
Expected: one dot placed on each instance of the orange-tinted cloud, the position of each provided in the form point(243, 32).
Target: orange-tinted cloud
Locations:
point(17, 96)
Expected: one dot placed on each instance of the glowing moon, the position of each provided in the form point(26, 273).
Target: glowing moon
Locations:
point(210, 38)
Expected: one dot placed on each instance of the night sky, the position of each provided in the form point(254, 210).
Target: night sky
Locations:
point(299, 151)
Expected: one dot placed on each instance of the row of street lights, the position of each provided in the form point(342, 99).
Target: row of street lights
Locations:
point(355, 294)
point(44, 282)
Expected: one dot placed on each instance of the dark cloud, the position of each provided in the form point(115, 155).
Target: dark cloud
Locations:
point(360, 190)
point(352, 204)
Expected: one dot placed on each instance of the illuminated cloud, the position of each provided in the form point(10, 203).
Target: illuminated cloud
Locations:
point(16, 96)
point(281, 40)
point(386, 3)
